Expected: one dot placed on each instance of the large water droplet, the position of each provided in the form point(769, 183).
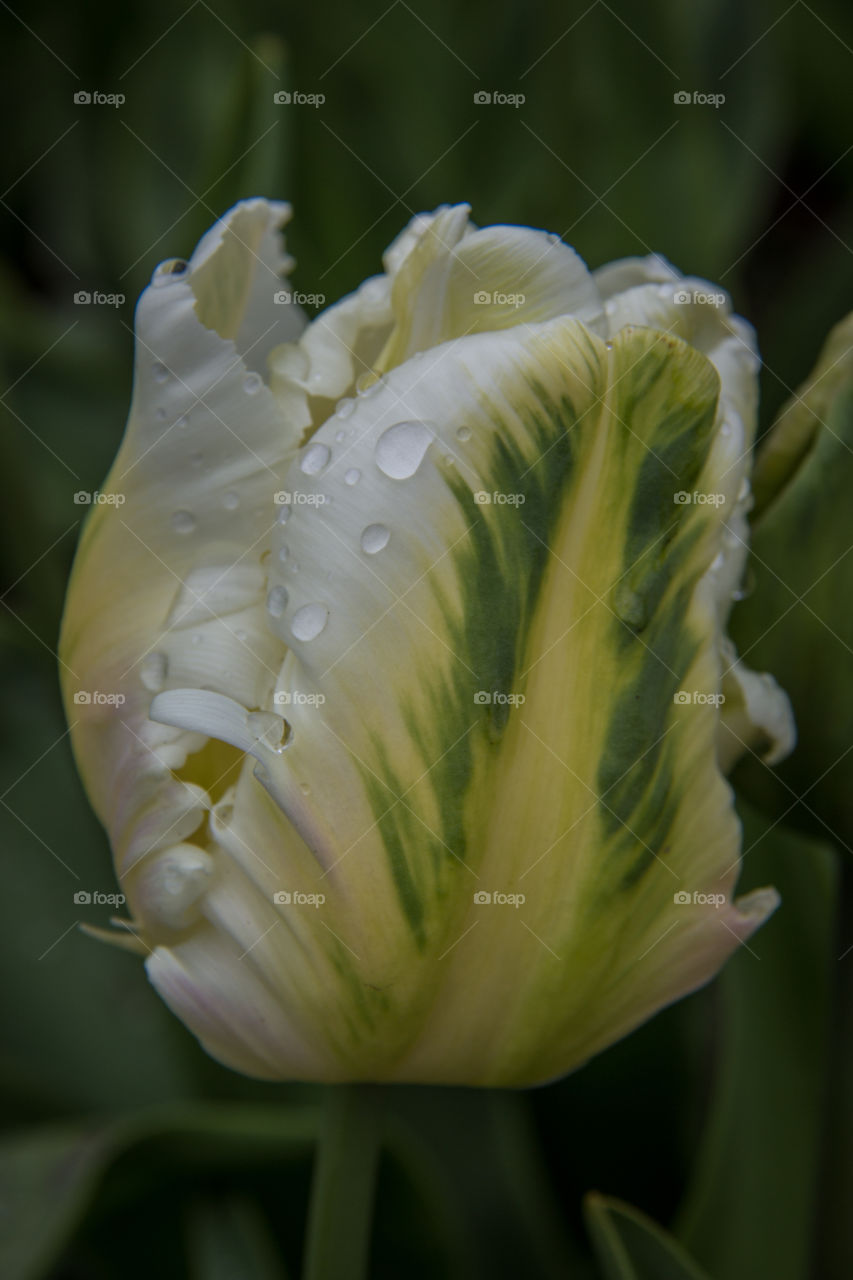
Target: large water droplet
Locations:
point(231, 501)
point(352, 476)
point(400, 450)
point(183, 521)
point(152, 671)
point(309, 621)
point(315, 458)
point(277, 602)
point(159, 372)
point(270, 729)
point(374, 538)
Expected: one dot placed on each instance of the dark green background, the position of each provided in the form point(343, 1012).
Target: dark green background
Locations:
point(725, 1119)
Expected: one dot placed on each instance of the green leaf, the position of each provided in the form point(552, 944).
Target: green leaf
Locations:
point(51, 1177)
point(229, 1237)
point(630, 1246)
point(797, 624)
point(750, 1209)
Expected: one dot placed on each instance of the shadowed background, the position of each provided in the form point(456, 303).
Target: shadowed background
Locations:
point(725, 1119)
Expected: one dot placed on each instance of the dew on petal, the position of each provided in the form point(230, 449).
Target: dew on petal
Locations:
point(345, 408)
point(352, 476)
point(252, 383)
point(277, 602)
point(183, 421)
point(159, 372)
point(270, 729)
point(152, 671)
point(400, 450)
point(283, 552)
point(463, 434)
point(309, 621)
point(160, 414)
point(374, 538)
point(231, 500)
point(183, 522)
point(284, 513)
point(315, 458)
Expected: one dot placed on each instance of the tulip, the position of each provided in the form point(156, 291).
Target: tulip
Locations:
point(417, 614)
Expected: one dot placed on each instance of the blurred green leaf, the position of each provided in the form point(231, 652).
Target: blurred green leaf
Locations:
point(750, 1208)
point(229, 1239)
point(49, 1178)
point(630, 1246)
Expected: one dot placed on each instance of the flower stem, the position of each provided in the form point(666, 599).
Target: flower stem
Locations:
point(341, 1210)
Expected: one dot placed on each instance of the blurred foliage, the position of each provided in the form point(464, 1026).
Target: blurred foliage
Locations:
point(728, 1119)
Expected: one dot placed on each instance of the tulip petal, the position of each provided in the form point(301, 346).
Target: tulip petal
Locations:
point(167, 587)
point(495, 707)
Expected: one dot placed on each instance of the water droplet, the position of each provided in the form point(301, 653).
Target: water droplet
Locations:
point(718, 562)
point(368, 385)
point(744, 490)
point(463, 434)
point(304, 788)
point(159, 372)
point(277, 602)
point(309, 621)
point(726, 429)
point(340, 436)
point(152, 671)
point(231, 501)
point(252, 383)
point(352, 476)
point(400, 450)
point(198, 638)
point(160, 414)
point(283, 552)
point(183, 421)
point(374, 538)
point(167, 272)
point(345, 408)
point(183, 522)
point(284, 513)
point(631, 607)
point(315, 458)
point(270, 729)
